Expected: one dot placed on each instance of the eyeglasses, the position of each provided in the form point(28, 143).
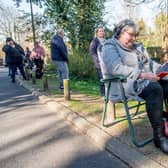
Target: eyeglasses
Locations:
point(131, 34)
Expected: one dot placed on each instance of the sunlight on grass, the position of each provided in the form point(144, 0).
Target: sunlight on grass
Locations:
point(80, 106)
point(88, 88)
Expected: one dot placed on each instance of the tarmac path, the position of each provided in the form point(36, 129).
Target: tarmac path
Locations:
point(32, 136)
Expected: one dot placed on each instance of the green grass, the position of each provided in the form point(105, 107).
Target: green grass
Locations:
point(89, 87)
point(52, 85)
point(85, 86)
point(91, 108)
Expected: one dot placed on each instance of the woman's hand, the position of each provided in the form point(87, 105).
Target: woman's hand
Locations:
point(149, 76)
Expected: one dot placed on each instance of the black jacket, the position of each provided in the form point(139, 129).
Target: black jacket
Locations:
point(14, 55)
point(93, 51)
point(58, 49)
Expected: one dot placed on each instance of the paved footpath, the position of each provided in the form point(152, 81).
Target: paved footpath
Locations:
point(112, 139)
point(115, 139)
point(34, 136)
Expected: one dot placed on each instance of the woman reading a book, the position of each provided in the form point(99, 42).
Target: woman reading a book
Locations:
point(122, 55)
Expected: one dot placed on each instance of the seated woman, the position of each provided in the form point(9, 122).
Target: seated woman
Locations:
point(122, 55)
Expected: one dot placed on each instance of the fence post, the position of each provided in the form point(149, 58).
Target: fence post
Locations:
point(66, 89)
point(45, 82)
point(27, 73)
point(33, 76)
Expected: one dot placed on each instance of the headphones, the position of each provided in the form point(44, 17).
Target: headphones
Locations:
point(117, 29)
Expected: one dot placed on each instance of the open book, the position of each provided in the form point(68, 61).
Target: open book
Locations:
point(162, 71)
point(162, 74)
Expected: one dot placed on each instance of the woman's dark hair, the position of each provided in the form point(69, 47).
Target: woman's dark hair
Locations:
point(9, 39)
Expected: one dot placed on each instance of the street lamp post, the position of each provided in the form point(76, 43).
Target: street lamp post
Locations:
point(166, 16)
point(32, 20)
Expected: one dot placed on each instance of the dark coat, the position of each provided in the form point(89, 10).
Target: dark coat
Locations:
point(58, 49)
point(93, 52)
point(14, 55)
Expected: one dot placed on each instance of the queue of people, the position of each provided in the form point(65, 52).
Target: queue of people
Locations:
point(99, 39)
point(121, 54)
point(16, 58)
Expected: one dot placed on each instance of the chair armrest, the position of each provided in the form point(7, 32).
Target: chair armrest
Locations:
point(114, 78)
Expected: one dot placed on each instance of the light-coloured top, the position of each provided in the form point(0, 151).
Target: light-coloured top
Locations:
point(116, 59)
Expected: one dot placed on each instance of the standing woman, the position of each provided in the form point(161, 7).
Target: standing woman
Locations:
point(98, 39)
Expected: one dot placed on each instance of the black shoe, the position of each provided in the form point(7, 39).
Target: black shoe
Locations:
point(61, 88)
point(165, 115)
point(13, 81)
point(162, 143)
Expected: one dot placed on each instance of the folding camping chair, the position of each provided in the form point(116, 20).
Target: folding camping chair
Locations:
point(121, 79)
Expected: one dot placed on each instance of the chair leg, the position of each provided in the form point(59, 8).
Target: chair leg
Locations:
point(113, 118)
point(130, 124)
point(104, 111)
point(166, 105)
point(114, 111)
point(137, 109)
point(106, 99)
point(132, 130)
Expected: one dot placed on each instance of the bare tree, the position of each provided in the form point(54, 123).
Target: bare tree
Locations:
point(11, 24)
point(137, 2)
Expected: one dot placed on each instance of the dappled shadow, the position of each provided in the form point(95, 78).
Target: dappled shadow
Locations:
point(86, 98)
point(12, 96)
point(39, 138)
point(121, 132)
point(50, 144)
point(15, 102)
point(26, 136)
point(95, 160)
point(143, 131)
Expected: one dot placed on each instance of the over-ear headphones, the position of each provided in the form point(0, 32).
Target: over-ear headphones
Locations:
point(117, 29)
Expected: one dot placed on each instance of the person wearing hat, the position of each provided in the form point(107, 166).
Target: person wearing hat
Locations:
point(122, 55)
point(15, 54)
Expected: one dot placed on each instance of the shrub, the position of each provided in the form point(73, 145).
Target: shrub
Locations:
point(50, 67)
point(81, 65)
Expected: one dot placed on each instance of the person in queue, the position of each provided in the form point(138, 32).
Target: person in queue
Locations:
point(15, 57)
point(99, 38)
point(59, 56)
